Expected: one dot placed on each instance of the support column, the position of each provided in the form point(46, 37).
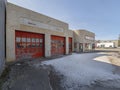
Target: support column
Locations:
point(83, 47)
point(47, 45)
point(67, 45)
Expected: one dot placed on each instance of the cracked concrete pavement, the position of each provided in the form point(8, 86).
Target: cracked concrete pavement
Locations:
point(25, 77)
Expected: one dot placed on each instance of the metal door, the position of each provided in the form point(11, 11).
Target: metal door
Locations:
point(57, 45)
point(70, 45)
point(29, 45)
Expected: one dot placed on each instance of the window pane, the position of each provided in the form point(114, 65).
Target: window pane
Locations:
point(23, 39)
point(33, 39)
point(18, 39)
point(37, 39)
point(41, 40)
point(28, 40)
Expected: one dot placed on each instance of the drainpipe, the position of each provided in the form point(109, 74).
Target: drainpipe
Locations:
point(2, 33)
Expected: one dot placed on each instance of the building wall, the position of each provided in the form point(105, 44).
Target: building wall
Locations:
point(108, 41)
point(2, 35)
point(83, 36)
point(80, 36)
point(70, 34)
point(107, 44)
point(22, 19)
point(115, 43)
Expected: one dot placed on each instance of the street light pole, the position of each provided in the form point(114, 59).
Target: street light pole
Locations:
point(2, 34)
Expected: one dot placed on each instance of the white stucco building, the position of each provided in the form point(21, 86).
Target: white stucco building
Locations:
point(106, 45)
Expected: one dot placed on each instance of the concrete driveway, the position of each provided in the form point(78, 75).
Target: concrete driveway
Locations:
point(88, 71)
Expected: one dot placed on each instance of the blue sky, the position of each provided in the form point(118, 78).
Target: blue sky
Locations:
point(99, 16)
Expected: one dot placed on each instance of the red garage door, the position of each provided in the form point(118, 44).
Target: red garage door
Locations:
point(57, 45)
point(29, 45)
point(70, 45)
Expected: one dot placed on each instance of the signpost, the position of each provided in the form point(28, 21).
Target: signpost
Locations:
point(2, 34)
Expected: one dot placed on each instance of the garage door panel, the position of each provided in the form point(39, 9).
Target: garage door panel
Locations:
point(57, 45)
point(29, 45)
point(70, 45)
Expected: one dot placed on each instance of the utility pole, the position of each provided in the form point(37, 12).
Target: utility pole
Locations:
point(119, 41)
point(2, 34)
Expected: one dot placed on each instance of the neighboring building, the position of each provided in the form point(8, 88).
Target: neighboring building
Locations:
point(115, 42)
point(32, 35)
point(106, 43)
point(83, 41)
point(2, 35)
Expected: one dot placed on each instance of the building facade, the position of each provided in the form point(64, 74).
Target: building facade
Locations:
point(106, 44)
point(2, 35)
point(84, 41)
point(32, 35)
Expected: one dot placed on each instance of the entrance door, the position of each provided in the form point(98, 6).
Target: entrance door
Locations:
point(81, 47)
point(57, 45)
point(29, 45)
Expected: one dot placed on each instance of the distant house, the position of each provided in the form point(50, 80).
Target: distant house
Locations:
point(107, 43)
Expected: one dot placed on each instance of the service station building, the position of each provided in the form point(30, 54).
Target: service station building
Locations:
point(32, 35)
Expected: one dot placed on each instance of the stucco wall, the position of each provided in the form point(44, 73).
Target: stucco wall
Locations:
point(107, 44)
point(109, 41)
point(83, 36)
point(116, 43)
point(79, 36)
point(19, 18)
